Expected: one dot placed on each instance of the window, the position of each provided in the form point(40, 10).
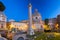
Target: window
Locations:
point(3, 19)
point(1, 25)
point(36, 17)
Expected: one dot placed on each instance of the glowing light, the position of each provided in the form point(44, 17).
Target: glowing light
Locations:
point(11, 26)
point(57, 33)
point(46, 27)
point(57, 26)
point(33, 27)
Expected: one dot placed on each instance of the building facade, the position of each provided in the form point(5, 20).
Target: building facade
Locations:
point(37, 20)
point(18, 25)
point(52, 23)
point(3, 18)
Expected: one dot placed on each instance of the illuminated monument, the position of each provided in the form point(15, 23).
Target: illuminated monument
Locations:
point(30, 30)
point(37, 20)
point(2, 16)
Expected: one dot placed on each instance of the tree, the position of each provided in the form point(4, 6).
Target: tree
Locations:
point(2, 7)
point(46, 21)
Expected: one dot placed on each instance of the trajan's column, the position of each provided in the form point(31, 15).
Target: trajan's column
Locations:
point(30, 30)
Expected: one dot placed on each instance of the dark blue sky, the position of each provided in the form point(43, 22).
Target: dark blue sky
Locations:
point(18, 9)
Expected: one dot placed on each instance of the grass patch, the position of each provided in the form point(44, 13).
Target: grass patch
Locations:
point(48, 36)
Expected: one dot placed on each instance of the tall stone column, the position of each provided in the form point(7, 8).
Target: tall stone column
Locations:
point(30, 30)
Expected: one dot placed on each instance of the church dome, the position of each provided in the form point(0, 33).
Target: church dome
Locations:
point(36, 13)
point(36, 16)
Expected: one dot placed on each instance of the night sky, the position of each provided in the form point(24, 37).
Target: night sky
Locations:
point(18, 9)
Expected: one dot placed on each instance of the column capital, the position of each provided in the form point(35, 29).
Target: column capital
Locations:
point(29, 5)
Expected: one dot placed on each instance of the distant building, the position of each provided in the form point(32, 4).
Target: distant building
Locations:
point(52, 23)
point(3, 18)
point(18, 25)
point(37, 20)
point(58, 20)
